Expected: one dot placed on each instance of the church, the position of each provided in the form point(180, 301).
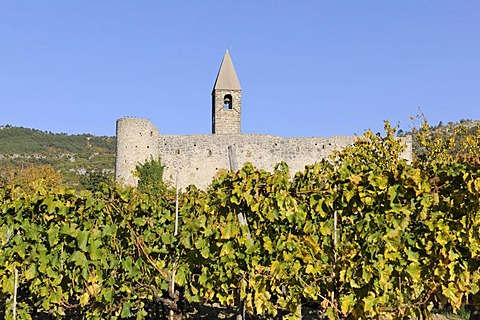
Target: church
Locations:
point(196, 159)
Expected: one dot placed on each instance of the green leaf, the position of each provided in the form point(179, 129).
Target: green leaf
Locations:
point(31, 272)
point(53, 235)
point(126, 310)
point(107, 294)
point(79, 258)
point(250, 246)
point(167, 238)
point(205, 252)
point(227, 249)
point(82, 240)
point(95, 252)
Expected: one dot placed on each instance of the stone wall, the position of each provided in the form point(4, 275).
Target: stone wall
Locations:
point(137, 141)
point(226, 121)
point(197, 158)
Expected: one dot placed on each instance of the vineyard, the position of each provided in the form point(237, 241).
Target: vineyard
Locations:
point(361, 235)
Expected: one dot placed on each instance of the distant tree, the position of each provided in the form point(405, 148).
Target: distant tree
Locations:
point(150, 176)
point(93, 181)
point(31, 176)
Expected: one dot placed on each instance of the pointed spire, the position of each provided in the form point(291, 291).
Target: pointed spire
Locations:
point(227, 78)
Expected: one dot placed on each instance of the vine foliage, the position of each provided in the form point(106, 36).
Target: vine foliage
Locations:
point(363, 234)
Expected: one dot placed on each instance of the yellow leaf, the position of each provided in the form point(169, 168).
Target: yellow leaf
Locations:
point(355, 179)
point(454, 297)
point(84, 298)
point(347, 303)
point(370, 304)
point(94, 289)
point(414, 271)
point(310, 269)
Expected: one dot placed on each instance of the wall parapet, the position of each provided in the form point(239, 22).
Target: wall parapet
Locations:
point(195, 159)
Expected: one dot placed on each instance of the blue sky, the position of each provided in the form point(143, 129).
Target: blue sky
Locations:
point(307, 68)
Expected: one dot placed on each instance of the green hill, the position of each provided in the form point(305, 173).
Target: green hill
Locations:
point(76, 157)
point(83, 159)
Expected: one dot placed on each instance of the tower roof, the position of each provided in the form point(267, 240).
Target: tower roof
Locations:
point(227, 78)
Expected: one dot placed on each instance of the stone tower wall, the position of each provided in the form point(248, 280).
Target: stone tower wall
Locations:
point(195, 159)
point(226, 121)
point(137, 141)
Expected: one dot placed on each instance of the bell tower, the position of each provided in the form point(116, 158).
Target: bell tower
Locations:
point(226, 99)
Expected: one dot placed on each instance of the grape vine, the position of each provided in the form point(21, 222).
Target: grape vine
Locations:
point(363, 234)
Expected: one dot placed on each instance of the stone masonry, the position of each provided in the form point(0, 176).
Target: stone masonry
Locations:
point(226, 100)
point(196, 159)
point(226, 120)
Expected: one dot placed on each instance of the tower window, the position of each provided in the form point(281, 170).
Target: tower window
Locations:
point(227, 102)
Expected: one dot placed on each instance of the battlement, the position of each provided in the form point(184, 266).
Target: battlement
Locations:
point(196, 159)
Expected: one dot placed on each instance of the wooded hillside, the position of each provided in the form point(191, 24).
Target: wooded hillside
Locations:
point(76, 157)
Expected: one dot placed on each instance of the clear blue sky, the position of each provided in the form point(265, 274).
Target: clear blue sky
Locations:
point(307, 68)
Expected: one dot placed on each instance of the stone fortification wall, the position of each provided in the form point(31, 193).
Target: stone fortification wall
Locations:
point(137, 141)
point(197, 158)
